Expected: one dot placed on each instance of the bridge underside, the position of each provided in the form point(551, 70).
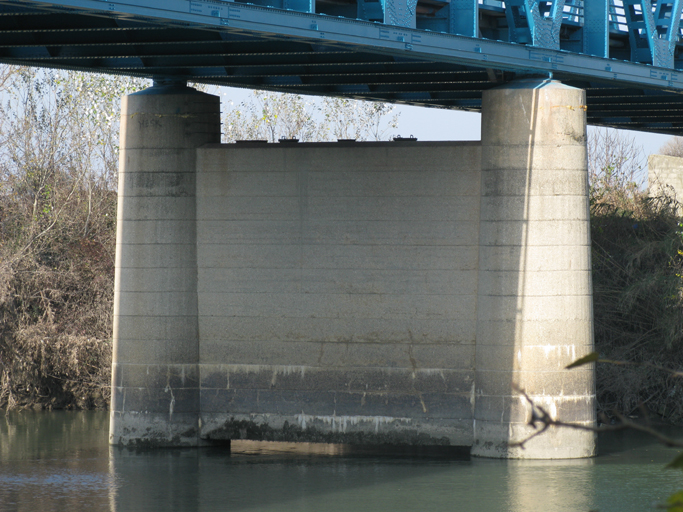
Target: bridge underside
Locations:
point(233, 50)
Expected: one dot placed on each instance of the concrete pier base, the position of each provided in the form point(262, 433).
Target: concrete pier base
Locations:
point(155, 375)
point(534, 311)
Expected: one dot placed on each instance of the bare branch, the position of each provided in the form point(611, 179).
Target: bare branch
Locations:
point(541, 421)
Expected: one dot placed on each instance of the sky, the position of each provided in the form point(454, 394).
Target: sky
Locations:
point(440, 124)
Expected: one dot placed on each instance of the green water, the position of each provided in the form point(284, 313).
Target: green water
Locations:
point(61, 461)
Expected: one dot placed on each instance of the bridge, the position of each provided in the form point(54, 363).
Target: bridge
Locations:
point(372, 293)
point(624, 53)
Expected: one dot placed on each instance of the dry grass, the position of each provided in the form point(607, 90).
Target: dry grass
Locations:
point(57, 234)
point(638, 303)
point(55, 326)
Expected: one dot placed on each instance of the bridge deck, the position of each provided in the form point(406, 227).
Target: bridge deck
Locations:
point(420, 52)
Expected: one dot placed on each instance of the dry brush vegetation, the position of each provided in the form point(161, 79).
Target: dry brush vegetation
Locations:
point(637, 253)
point(57, 230)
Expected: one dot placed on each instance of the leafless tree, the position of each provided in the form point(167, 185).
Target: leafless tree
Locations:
point(274, 116)
point(672, 147)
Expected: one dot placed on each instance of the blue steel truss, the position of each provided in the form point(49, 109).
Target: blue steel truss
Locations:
point(627, 54)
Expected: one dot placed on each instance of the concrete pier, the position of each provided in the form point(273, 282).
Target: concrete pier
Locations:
point(360, 293)
point(534, 311)
point(155, 377)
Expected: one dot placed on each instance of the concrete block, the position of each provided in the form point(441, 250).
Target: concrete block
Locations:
point(156, 208)
point(457, 357)
point(492, 439)
point(548, 208)
point(336, 330)
point(564, 162)
point(245, 255)
point(252, 208)
point(534, 258)
point(161, 171)
point(359, 430)
point(250, 232)
point(156, 256)
point(534, 308)
point(394, 209)
point(332, 257)
point(222, 184)
point(355, 355)
point(415, 405)
point(242, 158)
point(316, 232)
point(535, 284)
point(170, 329)
point(157, 303)
point(417, 183)
point(285, 353)
point(156, 400)
point(342, 305)
point(354, 380)
point(321, 209)
point(321, 281)
point(516, 409)
point(665, 176)
point(156, 279)
point(174, 376)
point(169, 232)
point(172, 351)
point(288, 402)
point(339, 355)
point(170, 121)
point(146, 429)
point(229, 401)
point(538, 332)
point(554, 355)
point(575, 382)
point(348, 182)
point(377, 156)
point(388, 257)
point(535, 232)
point(547, 115)
point(395, 232)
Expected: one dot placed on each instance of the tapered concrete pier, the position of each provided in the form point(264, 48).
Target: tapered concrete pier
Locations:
point(155, 379)
point(534, 311)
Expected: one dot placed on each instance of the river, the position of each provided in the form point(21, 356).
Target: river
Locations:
point(60, 461)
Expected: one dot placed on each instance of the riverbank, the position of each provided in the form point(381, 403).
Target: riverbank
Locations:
point(637, 253)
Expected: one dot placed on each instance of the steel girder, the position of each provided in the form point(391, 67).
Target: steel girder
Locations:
point(425, 52)
point(654, 30)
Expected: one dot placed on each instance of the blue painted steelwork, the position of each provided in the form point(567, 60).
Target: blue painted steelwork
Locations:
point(596, 28)
point(536, 23)
point(442, 53)
point(653, 30)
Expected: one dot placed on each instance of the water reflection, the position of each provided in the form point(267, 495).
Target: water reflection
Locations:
point(550, 485)
point(61, 461)
point(53, 461)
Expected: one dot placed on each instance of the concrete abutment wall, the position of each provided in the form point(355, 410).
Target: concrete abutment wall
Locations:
point(337, 289)
point(665, 176)
point(346, 292)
